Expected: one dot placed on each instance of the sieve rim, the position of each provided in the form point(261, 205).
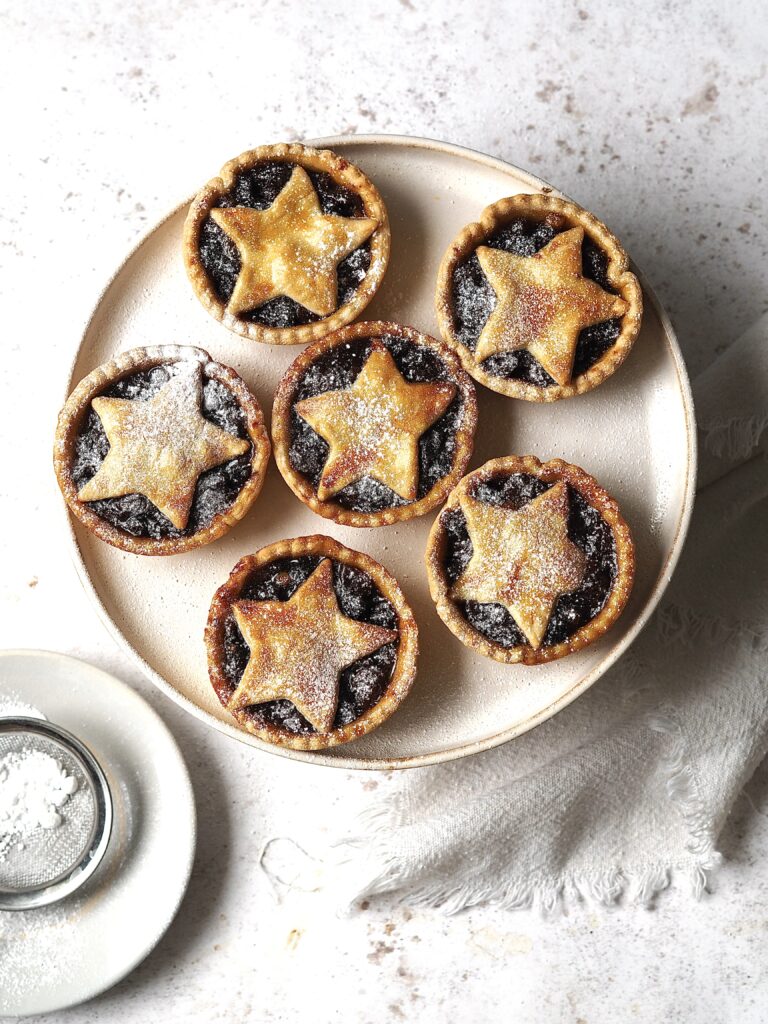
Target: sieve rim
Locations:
point(93, 854)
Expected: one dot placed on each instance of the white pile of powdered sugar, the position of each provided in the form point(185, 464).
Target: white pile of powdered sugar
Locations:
point(33, 789)
point(37, 948)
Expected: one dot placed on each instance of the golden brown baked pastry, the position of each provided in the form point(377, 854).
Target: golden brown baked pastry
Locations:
point(310, 644)
point(287, 244)
point(529, 561)
point(374, 424)
point(537, 300)
point(161, 450)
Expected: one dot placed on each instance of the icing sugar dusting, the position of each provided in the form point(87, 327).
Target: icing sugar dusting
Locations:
point(299, 646)
point(216, 489)
point(290, 249)
point(38, 950)
point(361, 684)
point(374, 426)
point(34, 787)
point(522, 559)
point(257, 188)
point(374, 419)
point(159, 447)
point(13, 707)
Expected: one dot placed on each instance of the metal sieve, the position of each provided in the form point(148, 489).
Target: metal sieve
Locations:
point(51, 863)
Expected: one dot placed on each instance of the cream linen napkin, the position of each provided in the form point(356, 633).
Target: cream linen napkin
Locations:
point(631, 784)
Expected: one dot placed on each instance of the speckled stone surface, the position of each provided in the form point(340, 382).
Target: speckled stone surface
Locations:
point(651, 115)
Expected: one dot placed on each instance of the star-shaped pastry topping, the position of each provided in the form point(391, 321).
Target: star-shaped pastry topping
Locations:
point(292, 248)
point(521, 559)
point(543, 302)
point(374, 426)
point(158, 447)
point(299, 647)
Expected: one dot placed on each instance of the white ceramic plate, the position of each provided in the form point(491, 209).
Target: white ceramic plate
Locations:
point(64, 954)
point(635, 433)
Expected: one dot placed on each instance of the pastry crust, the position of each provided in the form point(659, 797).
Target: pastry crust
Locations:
point(536, 207)
point(281, 427)
point(403, 673)
point(124, 365)
point(594, 495)
point(342, 171)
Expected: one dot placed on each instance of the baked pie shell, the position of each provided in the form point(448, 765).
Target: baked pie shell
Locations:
point(535, 207)
point(342, 171)
point(125, 364)
point(594, 495)
point(281, 427)
point(325, 547)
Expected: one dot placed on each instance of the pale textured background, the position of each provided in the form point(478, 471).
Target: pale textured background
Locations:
point(654, 116)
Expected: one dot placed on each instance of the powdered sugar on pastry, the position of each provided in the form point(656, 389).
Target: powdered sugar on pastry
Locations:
point(522, 559)
point(160, 447)
point(374, 426)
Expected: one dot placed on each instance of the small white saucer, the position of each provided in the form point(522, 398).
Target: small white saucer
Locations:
point(64, 954)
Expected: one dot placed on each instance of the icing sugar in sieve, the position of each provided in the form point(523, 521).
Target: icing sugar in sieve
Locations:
point(55, 813)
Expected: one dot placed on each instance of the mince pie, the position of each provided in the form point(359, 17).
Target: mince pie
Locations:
point(374, 424)
point(310, 644)
point(537, 299)
point(287, 244)
point(161, 450)
point(529, 561)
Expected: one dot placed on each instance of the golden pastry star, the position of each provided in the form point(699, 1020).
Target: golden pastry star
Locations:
point(374, 427)
point(159, 447)
point(299, 647)
point(521, 559)
point(292, 248)
point(542, 303)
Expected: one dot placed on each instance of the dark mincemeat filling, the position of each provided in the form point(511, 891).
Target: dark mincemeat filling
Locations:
point(586, 528)
point(216, 489)
point(338, 368)
point(258, 188)
point(474, 300)
point(361, 685)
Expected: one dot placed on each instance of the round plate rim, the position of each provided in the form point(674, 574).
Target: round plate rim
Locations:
point(583, 684)
point(109, 680)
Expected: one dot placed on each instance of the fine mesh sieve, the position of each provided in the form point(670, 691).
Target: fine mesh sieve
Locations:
point(47, 864)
